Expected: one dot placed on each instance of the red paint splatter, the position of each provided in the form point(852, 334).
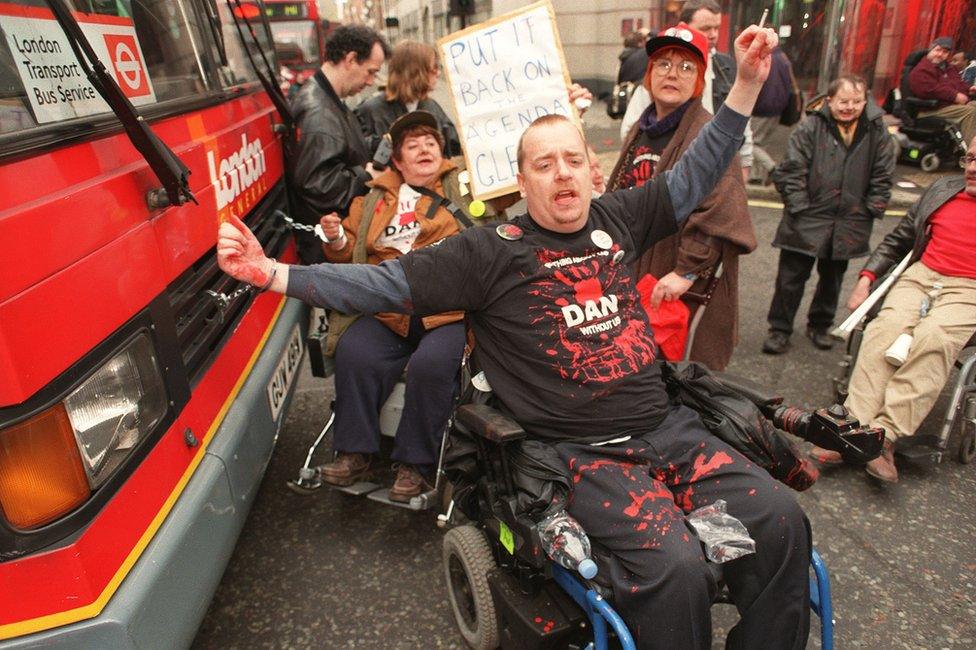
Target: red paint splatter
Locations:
point(588, 290)
point(597, 464)
point(703, 468)
point(638, 500)
point(407, 218)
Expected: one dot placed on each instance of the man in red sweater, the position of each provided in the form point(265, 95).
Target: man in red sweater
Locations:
point(932, 78)
point(938, 231)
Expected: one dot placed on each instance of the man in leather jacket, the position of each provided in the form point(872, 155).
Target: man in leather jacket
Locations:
point(331, 165)
point(937, 231)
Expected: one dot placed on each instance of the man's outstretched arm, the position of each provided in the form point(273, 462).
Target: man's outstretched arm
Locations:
point(349, 288)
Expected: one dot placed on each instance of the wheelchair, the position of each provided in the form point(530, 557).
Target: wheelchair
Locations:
point(309, 479)
point(929, 142)
point(502, 588)
point(962, 403)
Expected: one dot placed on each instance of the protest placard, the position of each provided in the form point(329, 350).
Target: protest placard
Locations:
point(503, 74)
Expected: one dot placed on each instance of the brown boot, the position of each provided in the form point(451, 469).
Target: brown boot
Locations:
point(409, 483)
point(883, 467)
point(825, 456)
point(346, 469)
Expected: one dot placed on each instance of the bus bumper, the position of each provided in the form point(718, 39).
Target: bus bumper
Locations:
point(166, 594)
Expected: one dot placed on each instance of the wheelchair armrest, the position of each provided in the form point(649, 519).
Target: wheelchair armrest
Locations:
point(749, 389)
point(489, 423)
point(918, 102)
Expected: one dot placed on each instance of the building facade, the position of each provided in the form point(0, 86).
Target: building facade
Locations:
point(823, 38)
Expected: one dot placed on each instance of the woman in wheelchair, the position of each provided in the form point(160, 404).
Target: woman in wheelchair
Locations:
point(406, 209)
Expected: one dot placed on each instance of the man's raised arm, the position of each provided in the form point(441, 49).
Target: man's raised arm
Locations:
point(703, 164)
point(349, 288)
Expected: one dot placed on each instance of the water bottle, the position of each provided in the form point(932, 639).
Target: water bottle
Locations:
point(565, 542)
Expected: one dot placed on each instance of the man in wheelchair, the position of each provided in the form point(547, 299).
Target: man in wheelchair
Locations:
point(931, 308)
point(932, 78)
point(560, 334)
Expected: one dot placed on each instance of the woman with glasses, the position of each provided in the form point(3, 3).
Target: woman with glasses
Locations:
point(720, 229)
point(412, 74)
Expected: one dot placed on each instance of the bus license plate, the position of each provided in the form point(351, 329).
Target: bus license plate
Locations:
point(285, 373)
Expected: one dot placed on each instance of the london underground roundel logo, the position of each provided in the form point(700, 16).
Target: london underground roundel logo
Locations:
point(129, 71)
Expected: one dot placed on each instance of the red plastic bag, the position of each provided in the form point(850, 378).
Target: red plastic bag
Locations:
point(669, 322)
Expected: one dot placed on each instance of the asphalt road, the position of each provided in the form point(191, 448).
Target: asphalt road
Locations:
point(329, 570)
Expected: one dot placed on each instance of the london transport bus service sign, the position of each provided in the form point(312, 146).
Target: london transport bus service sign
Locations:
point(56, 85)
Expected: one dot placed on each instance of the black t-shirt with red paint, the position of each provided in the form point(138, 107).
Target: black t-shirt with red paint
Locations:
point(646, 151)
point(559, 329)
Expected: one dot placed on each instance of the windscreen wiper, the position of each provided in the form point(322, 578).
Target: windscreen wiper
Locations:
point(169, 169)
point(269, 80)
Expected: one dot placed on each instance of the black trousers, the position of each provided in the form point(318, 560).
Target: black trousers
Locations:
point(370, 359)
point(632, 498)
point(791, 278)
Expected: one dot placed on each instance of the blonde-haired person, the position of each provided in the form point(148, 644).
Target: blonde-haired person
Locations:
point(412, 74)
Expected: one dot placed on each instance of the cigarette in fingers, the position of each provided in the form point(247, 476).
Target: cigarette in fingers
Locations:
point(762, 20)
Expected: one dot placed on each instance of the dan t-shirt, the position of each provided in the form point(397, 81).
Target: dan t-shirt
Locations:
point(558, 326)
point(402, 231)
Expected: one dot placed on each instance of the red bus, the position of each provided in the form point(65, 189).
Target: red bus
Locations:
point(141, 391)
point(298, 33)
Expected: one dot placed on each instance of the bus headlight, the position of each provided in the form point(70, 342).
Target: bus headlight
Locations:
point(116, 408)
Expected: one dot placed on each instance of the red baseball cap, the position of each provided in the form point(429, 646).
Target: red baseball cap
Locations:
point(683, 36)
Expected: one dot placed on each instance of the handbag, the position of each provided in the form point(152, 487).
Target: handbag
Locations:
point(736, 420)
point(619, 98)
point(794, 104)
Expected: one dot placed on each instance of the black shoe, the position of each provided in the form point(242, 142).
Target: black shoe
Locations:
point(820, 338)
point(776, 343)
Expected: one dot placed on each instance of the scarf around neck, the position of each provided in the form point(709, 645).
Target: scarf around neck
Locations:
point(654, 127)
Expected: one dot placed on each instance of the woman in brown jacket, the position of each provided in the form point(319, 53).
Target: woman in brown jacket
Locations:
point(720, 229)
point(405, 210)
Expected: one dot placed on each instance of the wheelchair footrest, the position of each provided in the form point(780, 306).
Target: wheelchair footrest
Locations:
point(357, 489)
point(421, 502)
point(546, 619)
point(920, 447)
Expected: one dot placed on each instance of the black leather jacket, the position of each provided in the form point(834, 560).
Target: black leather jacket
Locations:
point(376, 114)
point(723, 66)
point(328, 171)
point(914, 230)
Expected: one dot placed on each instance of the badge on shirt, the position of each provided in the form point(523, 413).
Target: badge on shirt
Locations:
point(601, 239)
point(619, 255)
point(509, 232)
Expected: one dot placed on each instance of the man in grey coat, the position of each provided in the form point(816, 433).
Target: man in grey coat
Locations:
point(835, 181)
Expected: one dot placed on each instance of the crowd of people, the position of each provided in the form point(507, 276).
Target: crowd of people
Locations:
point(413, 278)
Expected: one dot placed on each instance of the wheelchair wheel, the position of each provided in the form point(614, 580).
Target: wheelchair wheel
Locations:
point(467, 560)
point(967, 443)
point(930, 162)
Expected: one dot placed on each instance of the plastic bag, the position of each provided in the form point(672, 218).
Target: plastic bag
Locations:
point(723, 536)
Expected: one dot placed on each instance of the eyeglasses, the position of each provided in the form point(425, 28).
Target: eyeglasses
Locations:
point(686, 69)
point(847, 103)
point(969, 159)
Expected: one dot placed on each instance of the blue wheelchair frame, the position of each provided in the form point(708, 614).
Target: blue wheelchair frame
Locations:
point(603, 617)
